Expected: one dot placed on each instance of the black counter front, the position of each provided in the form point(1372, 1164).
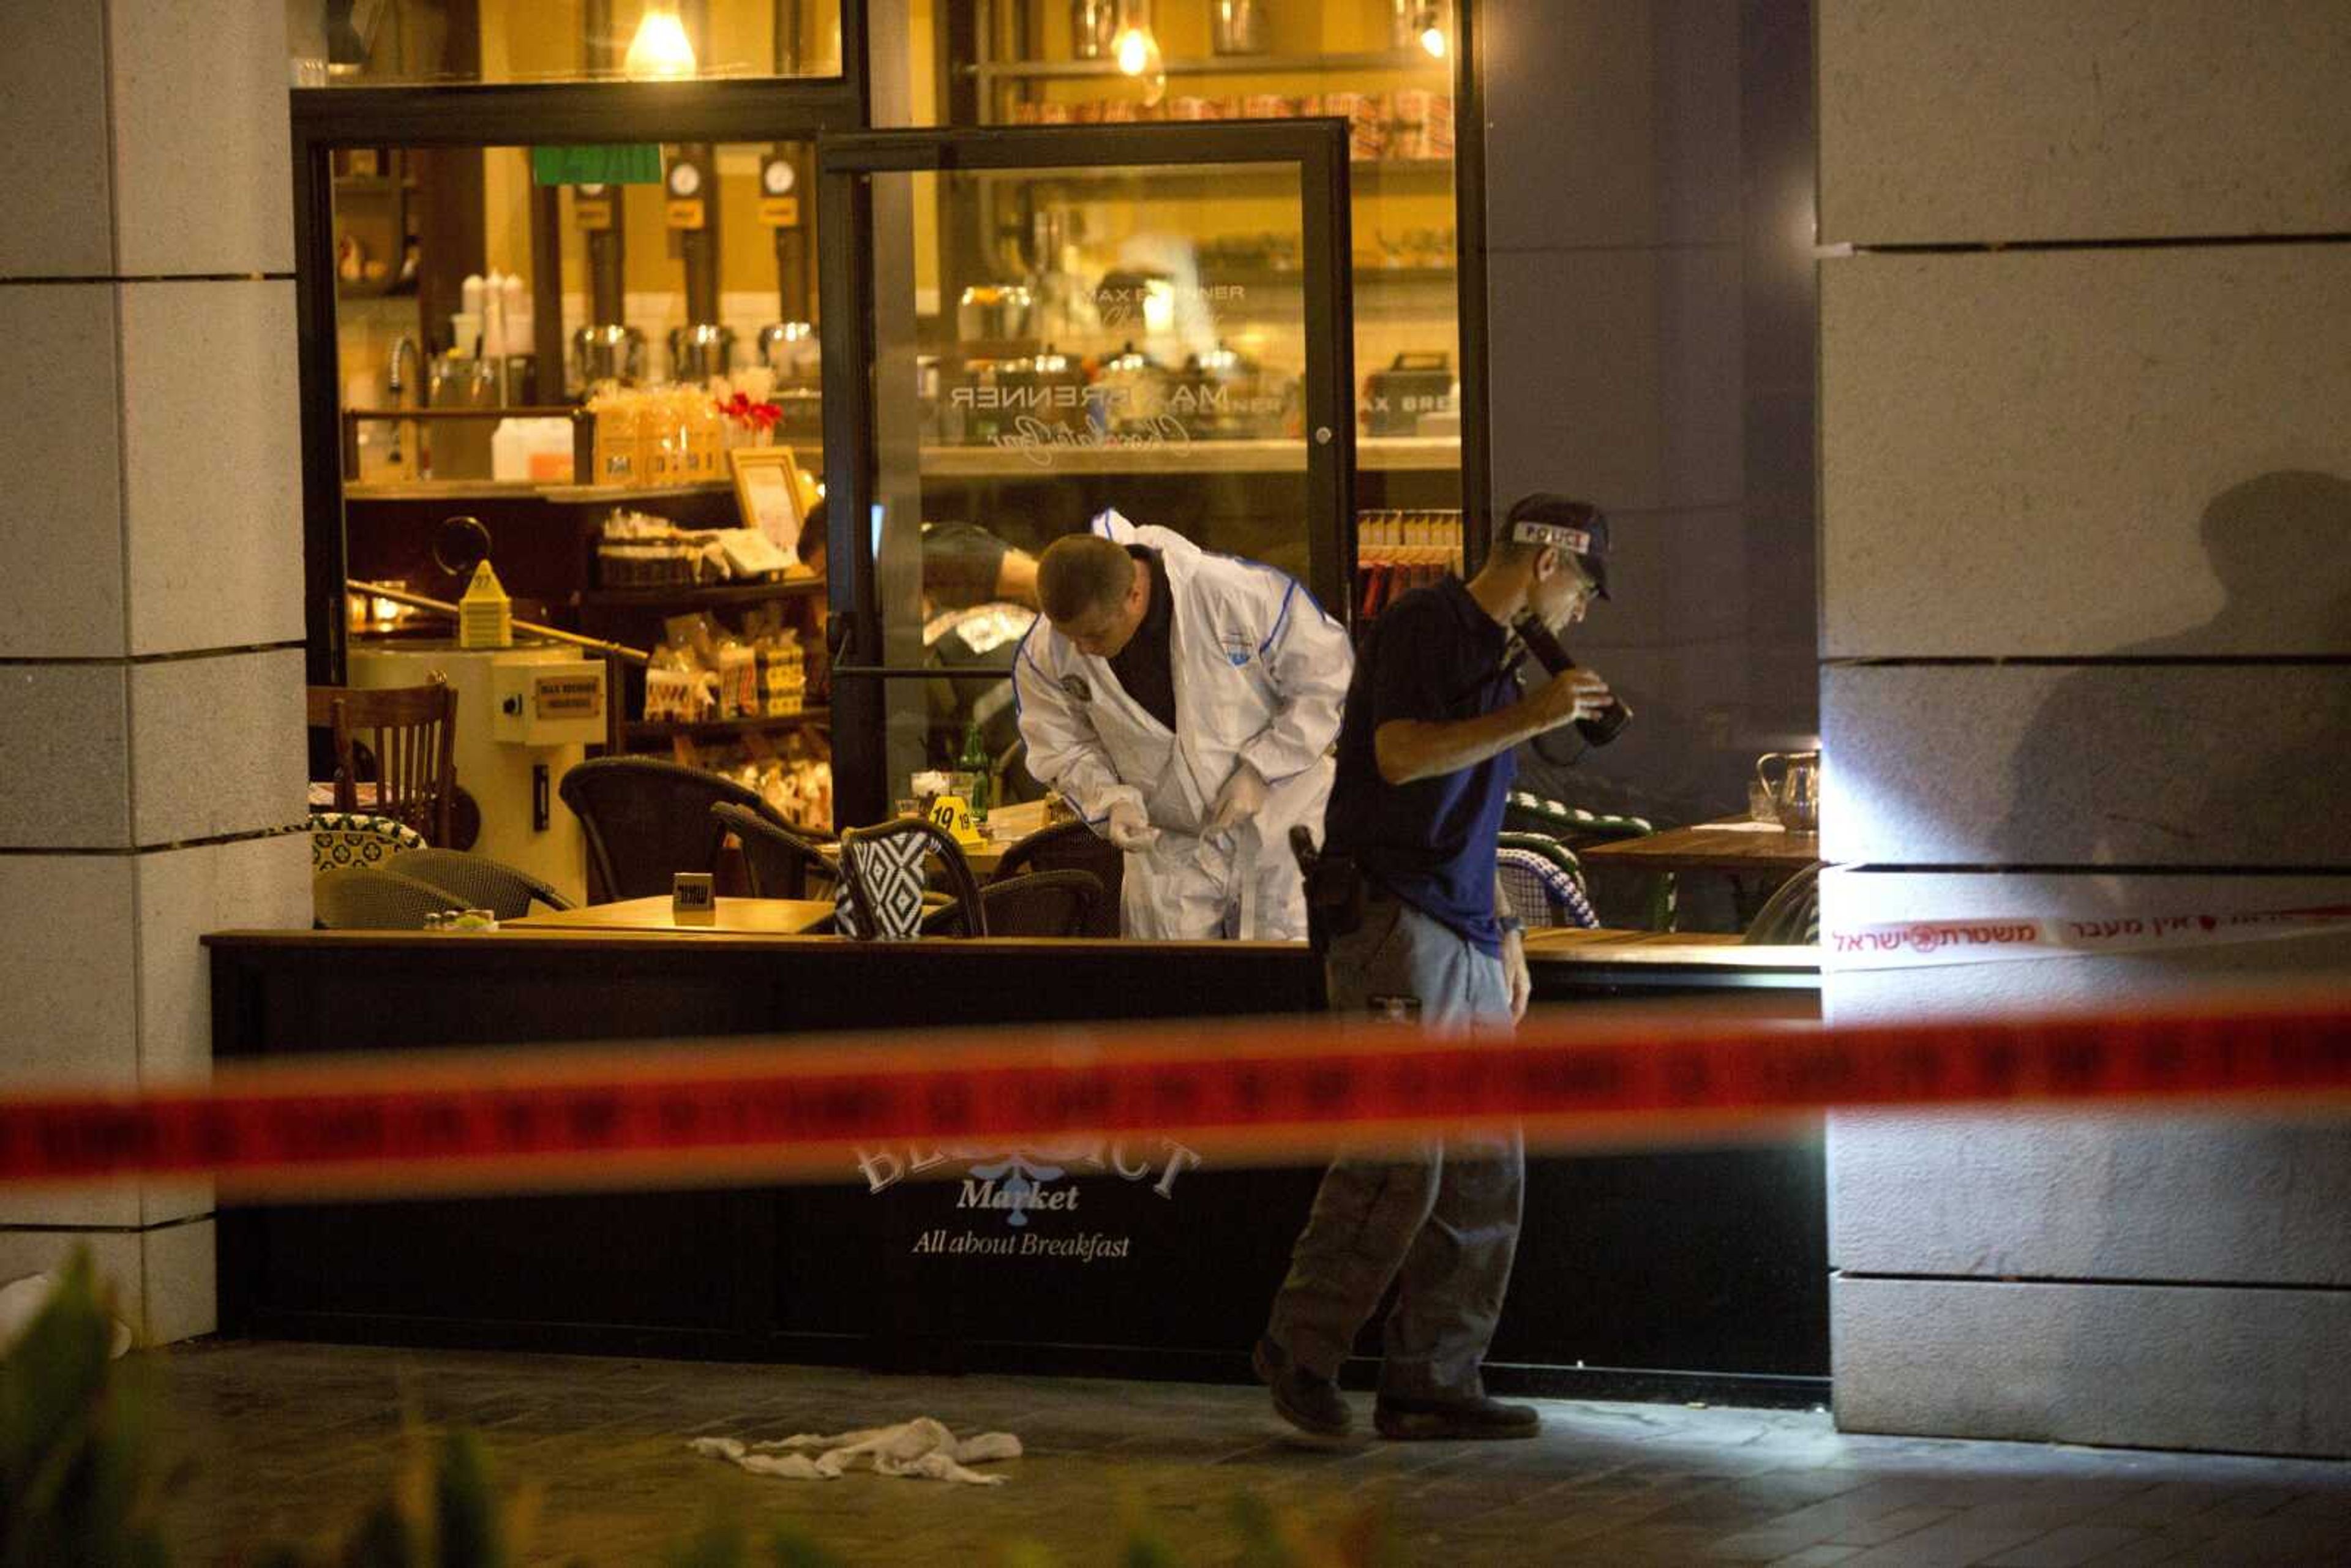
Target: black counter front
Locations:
point(1694, 1273)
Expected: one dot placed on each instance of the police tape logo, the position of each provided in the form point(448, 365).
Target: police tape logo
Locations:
point(1076, 686)
point(1237, 647)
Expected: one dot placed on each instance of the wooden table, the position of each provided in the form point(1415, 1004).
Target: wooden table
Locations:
point(1731, 844)
point(736, 917)
point(983, 858)
point(1757, 859)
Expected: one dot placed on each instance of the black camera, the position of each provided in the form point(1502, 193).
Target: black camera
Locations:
point(1601, 727)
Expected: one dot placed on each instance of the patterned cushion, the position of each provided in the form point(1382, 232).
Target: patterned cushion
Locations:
point(339, 839)
point(892, 870)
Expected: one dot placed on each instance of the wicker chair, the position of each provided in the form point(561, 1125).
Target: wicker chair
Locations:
point(1073, 846)
point(780, 863)
point(1544, 880)
point(480, 882)
point(1574, 826)
point(882, 869)
point(647, 820)
point(1792, 916)
point(1041, 904)
point(362, 898)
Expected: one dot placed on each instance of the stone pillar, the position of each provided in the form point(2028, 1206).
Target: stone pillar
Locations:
point(2086, 600)
point(151, 618)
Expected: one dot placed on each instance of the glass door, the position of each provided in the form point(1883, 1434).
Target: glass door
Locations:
point(1059, 327)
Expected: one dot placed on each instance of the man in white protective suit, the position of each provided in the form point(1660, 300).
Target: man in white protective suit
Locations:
point(1186, 702)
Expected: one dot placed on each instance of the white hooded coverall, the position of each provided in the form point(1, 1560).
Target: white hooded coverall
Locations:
point(1262, 677)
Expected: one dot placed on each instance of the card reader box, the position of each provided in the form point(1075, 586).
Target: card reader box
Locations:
point(541, 703)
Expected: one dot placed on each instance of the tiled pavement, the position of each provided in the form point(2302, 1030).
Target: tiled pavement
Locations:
point(291, 1440)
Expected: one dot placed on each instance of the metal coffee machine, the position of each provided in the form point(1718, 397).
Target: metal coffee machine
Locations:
point(613, 353)
point(700, 352)
point(607, 349)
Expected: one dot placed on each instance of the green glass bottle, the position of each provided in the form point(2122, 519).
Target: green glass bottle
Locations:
point(975, 761)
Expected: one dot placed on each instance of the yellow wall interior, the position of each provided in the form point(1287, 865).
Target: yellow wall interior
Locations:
point(541, 39)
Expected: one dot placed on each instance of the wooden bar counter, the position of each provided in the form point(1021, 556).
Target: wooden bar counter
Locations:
point(1688, 1273)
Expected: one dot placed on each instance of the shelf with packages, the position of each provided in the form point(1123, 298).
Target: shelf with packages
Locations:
point(380, 224)
point(1179, 180)
point(699, 596)
point(1402, 454)
point(645, 615)
point(563, 494)
point(1413, 61)
point(655, 732)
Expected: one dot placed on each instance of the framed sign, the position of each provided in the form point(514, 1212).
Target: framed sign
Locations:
point(768, 489)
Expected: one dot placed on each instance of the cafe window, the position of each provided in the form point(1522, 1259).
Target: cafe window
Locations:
point(526, 264)
point(1385, 67)
point(606, 461)
point(1059, 346)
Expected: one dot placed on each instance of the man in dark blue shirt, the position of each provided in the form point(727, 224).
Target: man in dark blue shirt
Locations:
point(1424, 764)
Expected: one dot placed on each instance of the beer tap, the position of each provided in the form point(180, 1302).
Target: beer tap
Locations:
point(403, 352)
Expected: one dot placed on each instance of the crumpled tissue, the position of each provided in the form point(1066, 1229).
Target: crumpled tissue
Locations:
point(921, 1449)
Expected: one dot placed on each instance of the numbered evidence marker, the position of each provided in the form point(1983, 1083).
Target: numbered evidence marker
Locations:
point(693, 899)
point(952, 813)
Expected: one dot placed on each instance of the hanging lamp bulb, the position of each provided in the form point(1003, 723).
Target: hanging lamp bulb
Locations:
point(661, 51)
point(1432, 32)
point(1135, 48)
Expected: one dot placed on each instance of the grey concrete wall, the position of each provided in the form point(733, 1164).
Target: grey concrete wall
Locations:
point(151, 620)
point(2127, 464)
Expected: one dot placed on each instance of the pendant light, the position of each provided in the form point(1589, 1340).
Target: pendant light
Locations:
point(661, 51)
point(1135, 48)
point(1429, 29)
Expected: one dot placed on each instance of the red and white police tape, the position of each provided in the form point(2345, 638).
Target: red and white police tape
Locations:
point(1999, 938)
point(671, 1113)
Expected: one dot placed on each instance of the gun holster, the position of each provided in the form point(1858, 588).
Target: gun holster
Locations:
point(1334, 892)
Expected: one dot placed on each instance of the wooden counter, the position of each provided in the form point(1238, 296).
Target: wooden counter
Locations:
point(1569, 964)
point(1710, 1264)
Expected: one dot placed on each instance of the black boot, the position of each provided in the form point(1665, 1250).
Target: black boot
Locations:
point(1453, 1419)
point(1307, 1400)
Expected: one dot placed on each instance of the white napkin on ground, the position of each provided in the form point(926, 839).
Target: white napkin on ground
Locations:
point(921, 1449)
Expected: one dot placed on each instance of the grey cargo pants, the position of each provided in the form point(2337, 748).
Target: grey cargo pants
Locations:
point(1441, 1220)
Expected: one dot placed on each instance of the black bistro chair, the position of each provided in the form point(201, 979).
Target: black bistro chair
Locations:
point(1041, 904)
point(1073, 846)
point(884, 876)
point(647, 820)
point(366, 898)
point(481, 881)
point(779, 862)
point(1792, 916)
